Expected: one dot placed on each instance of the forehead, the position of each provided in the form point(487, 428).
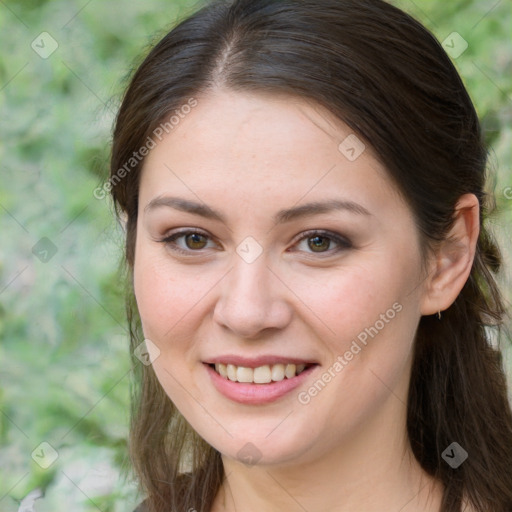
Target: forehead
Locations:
point(279, 149)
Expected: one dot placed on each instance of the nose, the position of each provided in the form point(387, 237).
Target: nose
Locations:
point(252, 298)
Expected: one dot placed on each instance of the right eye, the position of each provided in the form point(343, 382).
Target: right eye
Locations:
point(193, 240)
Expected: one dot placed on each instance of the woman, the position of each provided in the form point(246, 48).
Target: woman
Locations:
point(303, 190)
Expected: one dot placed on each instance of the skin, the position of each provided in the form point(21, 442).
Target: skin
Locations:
point(248, 156)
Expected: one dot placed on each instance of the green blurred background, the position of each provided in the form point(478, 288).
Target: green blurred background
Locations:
point(65, 366)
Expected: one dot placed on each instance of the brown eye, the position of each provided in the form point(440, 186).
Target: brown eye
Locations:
point(320, 242)
point(193, 241)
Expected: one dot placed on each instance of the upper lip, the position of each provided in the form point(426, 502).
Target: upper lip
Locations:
point(254, 362)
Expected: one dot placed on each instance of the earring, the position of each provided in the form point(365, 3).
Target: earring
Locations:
point(439, 315)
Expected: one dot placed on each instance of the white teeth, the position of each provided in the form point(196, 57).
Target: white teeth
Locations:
point(221, 368)
point(244, 374)
point(231, 371)
point(278, 372)
point(289, 371)
point(261, 374)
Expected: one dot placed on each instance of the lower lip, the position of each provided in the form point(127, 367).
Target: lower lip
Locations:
point(255, 394)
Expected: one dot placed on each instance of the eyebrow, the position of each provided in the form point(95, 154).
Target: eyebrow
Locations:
point(282, 216)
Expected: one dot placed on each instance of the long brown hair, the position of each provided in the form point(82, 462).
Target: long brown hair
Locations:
point(386, 76)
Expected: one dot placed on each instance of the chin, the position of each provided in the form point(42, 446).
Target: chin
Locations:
point(253, 445)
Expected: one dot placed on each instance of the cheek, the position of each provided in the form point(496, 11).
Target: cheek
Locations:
point(170, 298)
point(366, 317)
point(348, 300)
point(162, 296)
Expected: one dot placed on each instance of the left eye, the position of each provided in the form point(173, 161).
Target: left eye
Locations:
point(318, 241)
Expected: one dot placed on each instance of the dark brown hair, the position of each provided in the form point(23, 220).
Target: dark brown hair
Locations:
point(386, 76)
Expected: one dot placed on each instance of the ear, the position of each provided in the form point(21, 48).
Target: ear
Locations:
point(453, 258)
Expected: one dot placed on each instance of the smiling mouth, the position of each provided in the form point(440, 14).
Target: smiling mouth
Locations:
point(260, 375)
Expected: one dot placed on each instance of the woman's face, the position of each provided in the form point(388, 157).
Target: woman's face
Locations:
point(255, 287)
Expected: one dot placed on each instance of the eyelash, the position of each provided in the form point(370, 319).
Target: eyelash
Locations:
point(343, 243)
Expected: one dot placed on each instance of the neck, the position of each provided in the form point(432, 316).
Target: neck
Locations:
point(375, 470)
